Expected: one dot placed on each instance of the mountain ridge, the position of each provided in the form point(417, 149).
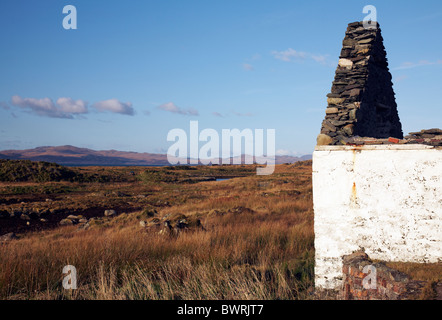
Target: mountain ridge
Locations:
point(75, 156)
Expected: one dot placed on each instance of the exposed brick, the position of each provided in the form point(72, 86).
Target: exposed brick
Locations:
point(394, 140)
point(391, 284)
point(398, 288)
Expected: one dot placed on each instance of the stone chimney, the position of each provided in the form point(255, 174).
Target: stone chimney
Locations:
point(362, 101)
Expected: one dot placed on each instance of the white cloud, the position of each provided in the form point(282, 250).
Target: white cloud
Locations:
point(421, 63)
point(248, 67)
point(171, 107)
point(32, 103)
point(115, 106)
point(68, 105)
point(217, 114)
point(291, 54)
point(320, 58)
point(69, 108)
point(43, 107)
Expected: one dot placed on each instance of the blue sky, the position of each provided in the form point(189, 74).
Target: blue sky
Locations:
point(133, 70)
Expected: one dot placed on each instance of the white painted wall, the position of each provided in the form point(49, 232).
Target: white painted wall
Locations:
point(384, 198)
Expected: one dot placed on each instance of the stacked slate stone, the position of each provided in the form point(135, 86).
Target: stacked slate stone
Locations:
point(432, 137)
point(362, 101)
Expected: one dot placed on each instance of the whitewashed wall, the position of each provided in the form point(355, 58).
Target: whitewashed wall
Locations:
point(386, 199)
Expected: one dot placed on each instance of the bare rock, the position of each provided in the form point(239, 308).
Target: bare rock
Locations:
point(110, 213)
point(8, 237)
point(66, 222)
point(323, 140)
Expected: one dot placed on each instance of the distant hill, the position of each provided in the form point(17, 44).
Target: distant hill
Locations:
point(73, 156)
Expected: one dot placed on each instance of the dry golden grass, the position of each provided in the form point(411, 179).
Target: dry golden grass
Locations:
point(264, 252)
point(419, 271)
point(258, 243)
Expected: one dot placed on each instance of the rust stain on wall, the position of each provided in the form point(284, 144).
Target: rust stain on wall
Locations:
point(354, 195)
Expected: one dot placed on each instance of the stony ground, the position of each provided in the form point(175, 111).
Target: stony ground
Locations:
point(165, 233)
point(33, 205)
point(161, 233)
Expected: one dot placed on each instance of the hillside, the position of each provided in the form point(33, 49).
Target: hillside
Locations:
point(74, 156)
point(32, 171)
point(25, 170)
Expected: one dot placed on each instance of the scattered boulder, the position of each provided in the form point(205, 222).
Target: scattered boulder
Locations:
point(167, 229)
point(216, 213)
point(240, 210)
point(167, 225)
point(84, 226)
point(175, 224)
point(110, 213)
point(8, 237)
point(25, 217)
point(149, 212)
point(119, 194)
point(181, 225)
point(66, 222)
point(153, 224)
